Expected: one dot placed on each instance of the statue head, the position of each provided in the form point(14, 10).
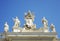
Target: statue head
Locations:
point(29, 15)
point(6, 25)
point(16, 17)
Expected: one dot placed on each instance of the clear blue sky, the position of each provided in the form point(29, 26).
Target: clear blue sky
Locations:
point(48, 8)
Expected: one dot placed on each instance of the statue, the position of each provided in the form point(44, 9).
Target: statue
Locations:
point(52, 28)
point(29, 17)
point(45, 23)
point(16, 27)
point(17, 22)
point(6, 27)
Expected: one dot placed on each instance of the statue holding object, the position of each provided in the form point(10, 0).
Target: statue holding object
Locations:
point(16, 27)
point(45, 24)
point(29, 18)
point(16, 22)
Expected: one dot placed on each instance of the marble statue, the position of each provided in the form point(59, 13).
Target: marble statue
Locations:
point(45, 23)
point(29, 26)
point(6, 27)
point(29, 18)
point(29, 22)
point(16, 22)
point(16, 27)
point(52, 28)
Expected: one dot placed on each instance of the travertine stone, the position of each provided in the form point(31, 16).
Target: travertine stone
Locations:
point(52, 28)
point(45, 24)
point(16, 27)
point(29, 18)
point(6, 27)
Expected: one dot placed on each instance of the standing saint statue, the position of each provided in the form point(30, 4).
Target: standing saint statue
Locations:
point(17, 22)
point(45, 23)
point(6, 27)
point(52, 28)
point(16, 27)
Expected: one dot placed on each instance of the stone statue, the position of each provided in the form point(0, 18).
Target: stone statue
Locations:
point(6, 27)
point(16, 27)
point(52, 28)
point(45, 23)
point(17, 22)
point(29, 17)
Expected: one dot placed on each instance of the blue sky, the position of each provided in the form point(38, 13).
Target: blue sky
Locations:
point(12, 8)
